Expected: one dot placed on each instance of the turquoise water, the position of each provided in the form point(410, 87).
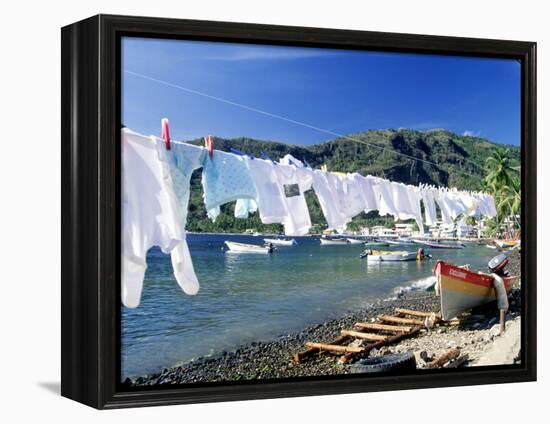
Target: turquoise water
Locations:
point(252, 297)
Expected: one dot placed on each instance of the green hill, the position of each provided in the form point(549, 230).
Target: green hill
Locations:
point(446, 159)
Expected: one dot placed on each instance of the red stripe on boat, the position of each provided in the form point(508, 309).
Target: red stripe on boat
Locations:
point(458, 273)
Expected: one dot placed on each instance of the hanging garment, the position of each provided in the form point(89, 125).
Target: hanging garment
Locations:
point(383, 190)
point(244, 207)
point(268, 194)
point(225, 178)
point(402, 201)
point(280, 194)
point(327, 187)
point(414, 198)
point(370, 196)
point(150, 216)
point(353, 198)
point(442, 202)
point(429, 206)
point(293, 183)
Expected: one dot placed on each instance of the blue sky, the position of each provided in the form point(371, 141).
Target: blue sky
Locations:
point(340, 91)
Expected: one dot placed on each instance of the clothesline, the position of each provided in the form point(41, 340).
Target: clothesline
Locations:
point(289, 120)
point(156, 191)
point(295, 161)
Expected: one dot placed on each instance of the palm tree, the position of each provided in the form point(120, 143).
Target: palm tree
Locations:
point(499, 169)
point(510, 199)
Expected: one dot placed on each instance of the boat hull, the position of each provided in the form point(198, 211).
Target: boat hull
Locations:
point(334, 242)
point(376, 244)
point(392, 257)
point(246, 248)
point(461, 290)
point(436, 245)
point(354, 241)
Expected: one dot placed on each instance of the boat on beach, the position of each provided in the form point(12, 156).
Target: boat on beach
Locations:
point(389, 256)
point(334, 241)
point(281, 241)
point(233, 246)
point(461, 289)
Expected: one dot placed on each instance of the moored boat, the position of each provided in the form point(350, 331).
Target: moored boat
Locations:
point(440, 245)
point(507, 244)
point(400, 241)
point(376, 244)
point(461, 289)
point(354, 241)
point(247, 248)
point(389, 256)
point(335, 241)
point(281, 241)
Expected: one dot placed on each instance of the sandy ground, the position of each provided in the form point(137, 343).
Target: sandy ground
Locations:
point(506, 348)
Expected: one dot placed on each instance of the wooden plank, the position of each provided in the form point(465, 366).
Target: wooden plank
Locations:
point(335, 348)
point(415, 313)
point(397, 320)
point(297, 357)
point(344, 359)
point(383, 327)
point(364, 336)
point(446, 357)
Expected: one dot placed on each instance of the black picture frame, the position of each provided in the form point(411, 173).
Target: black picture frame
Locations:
point(90, 139)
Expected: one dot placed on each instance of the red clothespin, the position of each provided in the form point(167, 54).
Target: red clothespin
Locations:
point(165, 130)
point(209, 145)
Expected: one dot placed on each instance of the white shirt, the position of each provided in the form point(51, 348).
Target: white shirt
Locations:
point(429, 206)
point(293, 182)
point(150, 216)
point(328, 189)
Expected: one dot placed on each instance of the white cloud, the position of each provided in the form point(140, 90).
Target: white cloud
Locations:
point(469, 133)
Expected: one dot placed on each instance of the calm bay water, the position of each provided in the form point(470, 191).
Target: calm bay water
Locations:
point(252, 297)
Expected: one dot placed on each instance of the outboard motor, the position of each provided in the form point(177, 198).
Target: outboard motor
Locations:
point(497, 265)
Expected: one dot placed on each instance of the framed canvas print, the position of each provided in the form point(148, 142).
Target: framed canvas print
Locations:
point(255, 211)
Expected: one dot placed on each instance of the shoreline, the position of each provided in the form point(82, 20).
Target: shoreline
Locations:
point(272, 359)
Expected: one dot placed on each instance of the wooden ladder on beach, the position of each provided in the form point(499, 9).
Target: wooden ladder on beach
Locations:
point(388, 329)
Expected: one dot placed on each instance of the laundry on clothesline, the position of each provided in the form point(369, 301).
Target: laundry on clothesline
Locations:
point(156, 180)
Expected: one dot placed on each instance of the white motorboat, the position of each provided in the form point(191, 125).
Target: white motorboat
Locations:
point(328, 241)
point(281, 242)
point(354, 241)
point(247, 248)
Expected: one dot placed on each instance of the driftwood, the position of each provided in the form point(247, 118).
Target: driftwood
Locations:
point(416, 313)
point(297, 357)
point(443, 359)
point(364, 336)
point(398, 320)
point(390, 340)
point(383, 327)
point(335, 348)
point(457, 362)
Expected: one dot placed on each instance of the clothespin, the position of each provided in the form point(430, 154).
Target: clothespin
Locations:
point(307, 164)
point(238, 152)
point(266, 156)
point(165, 131)
point(209, 145)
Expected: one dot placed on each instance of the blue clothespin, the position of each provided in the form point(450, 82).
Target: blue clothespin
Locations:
point(266, 156)
point(238, 152)
point(307, 164)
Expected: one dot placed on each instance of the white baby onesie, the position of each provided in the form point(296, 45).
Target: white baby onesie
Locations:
point(150, 216)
